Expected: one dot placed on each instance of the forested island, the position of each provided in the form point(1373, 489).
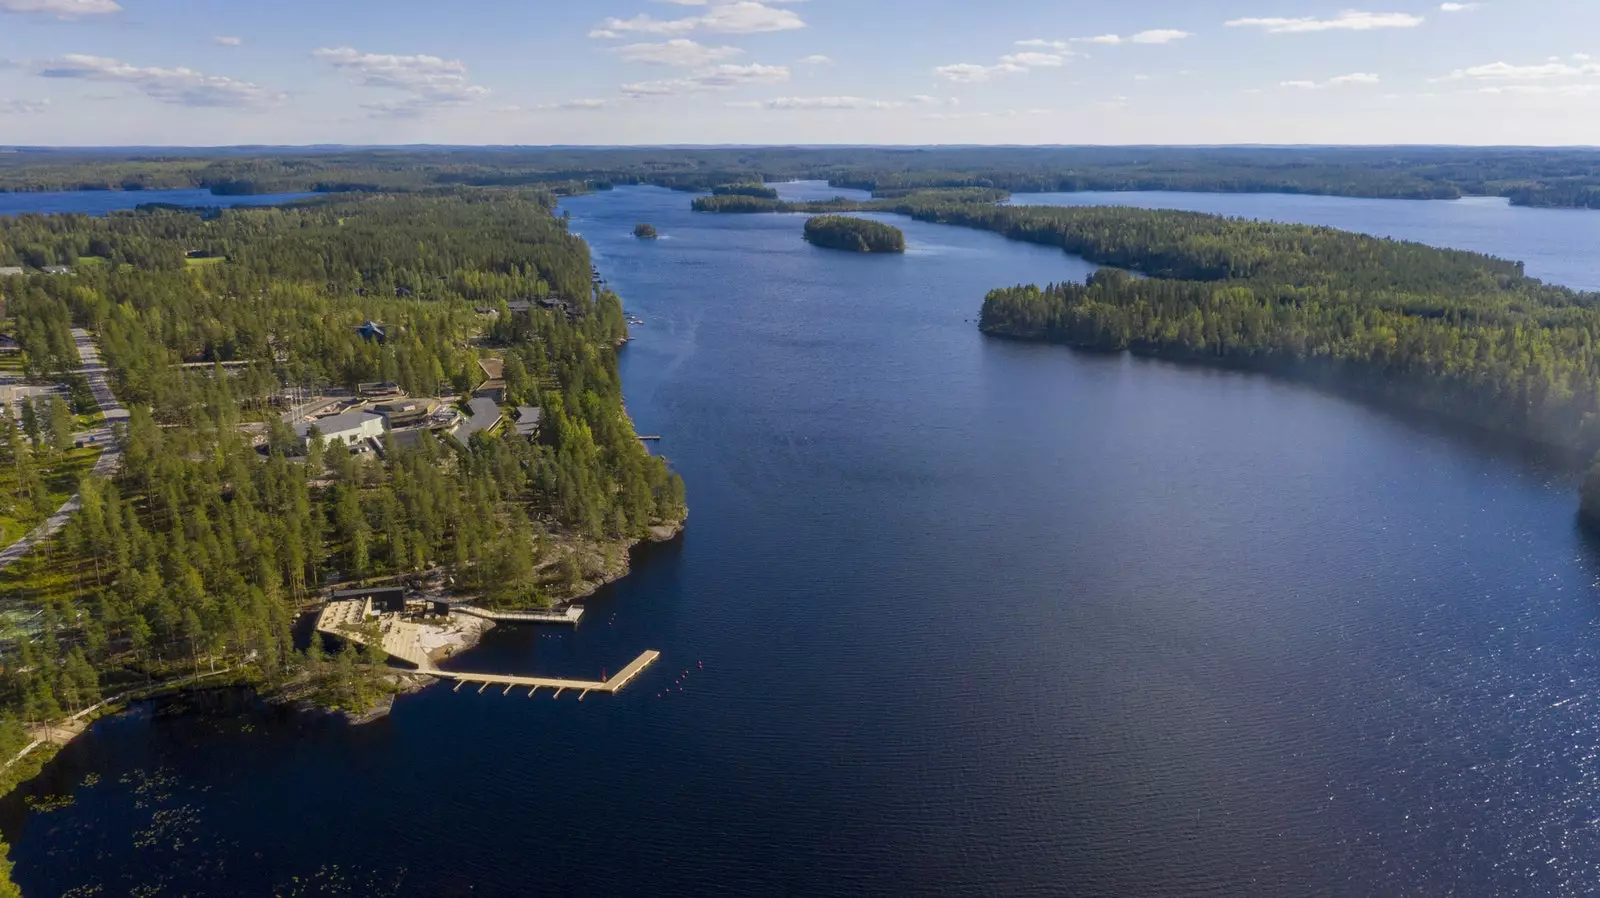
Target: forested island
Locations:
point(223, 523)
point(1458, 334)
point(1526, 176)
point(857, 235)
point(645, 231)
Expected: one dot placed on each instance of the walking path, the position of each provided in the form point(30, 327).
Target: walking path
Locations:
point(89, 365)
point(66, 730)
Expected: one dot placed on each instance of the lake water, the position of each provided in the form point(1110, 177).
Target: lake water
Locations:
point(953, 616)
point(102, 202)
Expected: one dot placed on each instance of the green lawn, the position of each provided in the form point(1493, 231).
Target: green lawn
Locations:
point(207, 260)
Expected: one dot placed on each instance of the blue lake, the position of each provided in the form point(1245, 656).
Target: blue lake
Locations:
point(953, 616)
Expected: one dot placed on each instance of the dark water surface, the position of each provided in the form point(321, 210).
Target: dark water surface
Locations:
point(975, 618)
point(101, 202)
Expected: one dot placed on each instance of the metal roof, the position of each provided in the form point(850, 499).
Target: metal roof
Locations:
point(335, 424)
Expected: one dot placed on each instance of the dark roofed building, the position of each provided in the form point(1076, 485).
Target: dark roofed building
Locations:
point(384, 598)
point(402, 414)
point(483, 414)
point(528, 420)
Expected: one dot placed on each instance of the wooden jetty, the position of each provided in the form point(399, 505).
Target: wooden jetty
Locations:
point(568, 615)
point(583, 687)
point(401, 641)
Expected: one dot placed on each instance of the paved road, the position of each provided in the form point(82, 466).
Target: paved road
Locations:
point(95, 373)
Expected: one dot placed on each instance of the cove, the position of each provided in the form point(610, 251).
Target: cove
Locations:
point(952, 616)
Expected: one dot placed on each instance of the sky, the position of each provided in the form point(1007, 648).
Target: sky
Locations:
point(541, 72)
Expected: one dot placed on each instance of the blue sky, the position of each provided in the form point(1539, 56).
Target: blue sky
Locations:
point(211, 72)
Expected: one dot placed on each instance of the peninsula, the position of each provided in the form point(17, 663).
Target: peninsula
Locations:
point(364, 389)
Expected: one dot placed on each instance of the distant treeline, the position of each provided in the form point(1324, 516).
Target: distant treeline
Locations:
point(854, 234)
point(756, 190)
point(1528, 176)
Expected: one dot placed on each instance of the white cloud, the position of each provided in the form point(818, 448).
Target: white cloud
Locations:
point(999, 113)
point(722, 77)
point(586, 103)
point(736, 17)
point(1159, 36)
point(23, 107)
point(810, 103)
point(1010, 64)
point(1034, 60)
point(428, 81)
point(644, 23)
point(676, 52)
point(1504, 71)
point(1151, 36)
point(817, 59)
point(223, 41)
point(1349, 20)
point(802, 104)
point(1460, 7)
point(1336, 81)
point(180, 86)
point(1552, 90)
point(972, 73)
point(61, 9)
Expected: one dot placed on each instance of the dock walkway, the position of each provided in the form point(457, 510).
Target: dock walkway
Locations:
point(569, 615)
point(534, 684)
point(402, 640)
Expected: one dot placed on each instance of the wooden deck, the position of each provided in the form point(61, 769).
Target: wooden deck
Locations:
point(400, 641)
point(560, 685)
point(568, 615)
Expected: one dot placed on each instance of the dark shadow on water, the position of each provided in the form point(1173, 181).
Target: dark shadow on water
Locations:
point(1528, 455)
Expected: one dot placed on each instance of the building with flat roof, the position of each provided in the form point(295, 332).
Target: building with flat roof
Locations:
point(404, 413)
point(349, 428)
point(383, 598)
point(482, 414)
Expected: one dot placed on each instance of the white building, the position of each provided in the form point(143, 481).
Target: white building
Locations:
point(349, 428)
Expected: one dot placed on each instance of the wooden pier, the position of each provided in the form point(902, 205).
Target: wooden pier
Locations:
point(400, 641)
point(613, 683)
point(568, 615)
